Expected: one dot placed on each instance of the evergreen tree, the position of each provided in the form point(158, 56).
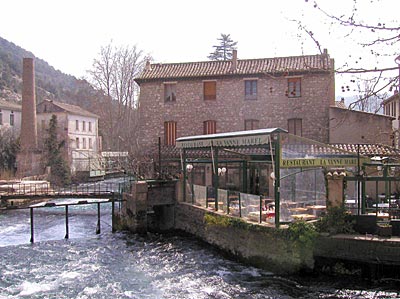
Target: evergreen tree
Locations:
point(59, 170)
point(224, 50)
point(9, 147)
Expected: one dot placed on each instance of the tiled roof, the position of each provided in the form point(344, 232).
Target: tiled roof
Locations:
point(279, 65)
point(76, 110)
point(369, 150)
point(9, 105)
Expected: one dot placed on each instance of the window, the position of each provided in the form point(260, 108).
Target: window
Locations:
point(43, 124)
point(83, 142)
point(83, 126)
point(12, 118)
point(295, 126)
point(77, 125)
point(90, 143)
point(210, 90)
point(169, 132)
point(1, 118)
point(294, 87)
point(77, 142)
point(251, 124)
point(90, 126)
point(250, 89)
point(169, 92)
point(210, 127)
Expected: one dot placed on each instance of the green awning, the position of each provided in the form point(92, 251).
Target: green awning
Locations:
point(230, 139)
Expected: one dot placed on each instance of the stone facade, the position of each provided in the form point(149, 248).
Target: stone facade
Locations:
point(271, 107)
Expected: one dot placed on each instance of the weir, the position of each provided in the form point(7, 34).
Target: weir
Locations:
point(67, 205)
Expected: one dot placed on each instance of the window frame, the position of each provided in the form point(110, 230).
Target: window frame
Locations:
point(206, 95)
point(296, 122)
point(12, 118)
point(209, 127)
point(251, 95)
point(170, 130)
point(294, 87)
point(170, 89)
point(252, 123)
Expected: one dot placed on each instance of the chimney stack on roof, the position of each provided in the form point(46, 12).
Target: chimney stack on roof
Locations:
point(148, 65)
point(234, 60)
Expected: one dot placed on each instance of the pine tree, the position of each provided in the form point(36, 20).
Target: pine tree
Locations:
point(224, 50)
point(59, 170)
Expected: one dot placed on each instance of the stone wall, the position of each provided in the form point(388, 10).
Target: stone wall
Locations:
point(263, 247)
point(272, 107)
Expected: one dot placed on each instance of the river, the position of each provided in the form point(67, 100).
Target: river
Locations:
point(122, 265)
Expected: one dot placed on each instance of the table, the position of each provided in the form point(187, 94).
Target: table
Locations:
point(297, 209)
point(317, 209)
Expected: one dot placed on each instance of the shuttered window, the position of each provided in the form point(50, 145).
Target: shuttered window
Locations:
point(295, 126)
point(294, 87)
point(169, 132)
point(251, 124)
point(210, 90)
point(210, 127)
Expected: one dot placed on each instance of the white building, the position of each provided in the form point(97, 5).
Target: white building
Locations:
point(10, 116)
point(79, 128)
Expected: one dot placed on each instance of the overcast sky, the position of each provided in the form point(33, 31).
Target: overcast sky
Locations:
point(69, 34)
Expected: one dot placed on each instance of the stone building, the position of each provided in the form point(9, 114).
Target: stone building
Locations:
point(10, 116)
point(182, 99)
point(79, 129)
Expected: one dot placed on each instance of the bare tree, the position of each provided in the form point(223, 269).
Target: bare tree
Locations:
point(113, 73)
point(378, 36)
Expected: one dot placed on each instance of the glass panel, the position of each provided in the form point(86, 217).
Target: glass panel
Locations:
point(250, 206)
point(200, 195)
point(222, 200)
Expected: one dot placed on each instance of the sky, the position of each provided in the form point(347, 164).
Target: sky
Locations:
point(69, 34)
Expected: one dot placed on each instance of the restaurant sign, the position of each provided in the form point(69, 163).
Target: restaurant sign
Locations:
point(225, 142)
point(319, 162)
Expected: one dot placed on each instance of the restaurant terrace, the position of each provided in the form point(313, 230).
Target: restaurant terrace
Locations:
point(271, 176)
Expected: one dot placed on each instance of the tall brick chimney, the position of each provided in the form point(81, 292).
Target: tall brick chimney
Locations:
point(28, 123)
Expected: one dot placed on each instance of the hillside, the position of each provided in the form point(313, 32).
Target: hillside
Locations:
point(50, 83)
